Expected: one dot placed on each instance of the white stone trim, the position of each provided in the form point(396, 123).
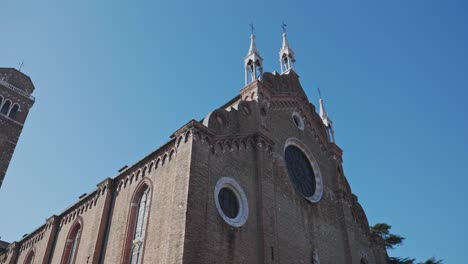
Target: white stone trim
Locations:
point(234, 186)
point(313, 162)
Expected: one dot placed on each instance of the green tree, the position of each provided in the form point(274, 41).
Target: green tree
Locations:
point(383, 230)
point(392, 240)
point(394, 260)
point(432, 260)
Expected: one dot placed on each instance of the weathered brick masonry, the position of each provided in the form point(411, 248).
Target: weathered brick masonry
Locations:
point(222, 191)
point(15, 101)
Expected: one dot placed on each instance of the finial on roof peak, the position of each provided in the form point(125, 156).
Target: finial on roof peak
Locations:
point(21, 65)
point(253, 62)
point(287, 58)
point(326, 119)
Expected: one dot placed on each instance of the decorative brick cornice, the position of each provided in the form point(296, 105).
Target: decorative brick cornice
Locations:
point(86, 203)
point(16, 90)
point(160, 157)
point(37, 235)
point(223, 143)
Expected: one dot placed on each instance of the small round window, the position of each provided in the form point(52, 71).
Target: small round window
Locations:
point(228, 202)
point(231, 202)
point(303, 171)
point(298, 120)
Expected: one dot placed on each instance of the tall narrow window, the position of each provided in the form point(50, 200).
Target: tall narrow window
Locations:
point(30, 258)
point(1, 101)
point(139, 219)
point(71, 246)
point(13, 111)
point(5, 107)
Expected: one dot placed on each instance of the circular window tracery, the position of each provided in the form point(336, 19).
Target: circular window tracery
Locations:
point(231, 201)
point(303, 170)
point(300, 171)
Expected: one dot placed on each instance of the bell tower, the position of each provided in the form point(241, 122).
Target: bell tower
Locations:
point(15, 101)
point(253, 62)
point(287, 58)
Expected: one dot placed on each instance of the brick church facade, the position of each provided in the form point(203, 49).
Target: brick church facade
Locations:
point(258, 180)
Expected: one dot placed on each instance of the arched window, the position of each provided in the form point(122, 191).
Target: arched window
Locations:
point(72, 243)
point(13, 111)
point(138, 220)
point(5, 107)
point(29, 258)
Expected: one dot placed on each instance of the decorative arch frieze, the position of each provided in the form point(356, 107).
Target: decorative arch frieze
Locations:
point(85, 204)
point(153, 162)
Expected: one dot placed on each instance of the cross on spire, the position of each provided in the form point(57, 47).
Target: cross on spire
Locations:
point(283, 26)
point(21, 65)
point(252, 28)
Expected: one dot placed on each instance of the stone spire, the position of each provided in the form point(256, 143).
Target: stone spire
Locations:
point(326, 121)
point(253, 62)
point(287, 58)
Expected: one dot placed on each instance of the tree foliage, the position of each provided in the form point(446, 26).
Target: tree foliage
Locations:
point(432, 260)
point(393, 260)
point(383, 230)
point(391, 240)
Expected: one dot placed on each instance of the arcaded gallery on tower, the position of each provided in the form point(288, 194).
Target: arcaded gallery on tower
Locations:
point(258, 180)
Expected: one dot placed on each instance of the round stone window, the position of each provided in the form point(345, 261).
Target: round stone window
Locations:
point(231, 201)
point(298, 120)
point(303, 170)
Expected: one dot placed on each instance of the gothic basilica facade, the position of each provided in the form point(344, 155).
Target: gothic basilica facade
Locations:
point(258, 180)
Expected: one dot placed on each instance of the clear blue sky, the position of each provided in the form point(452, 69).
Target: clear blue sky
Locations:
point(115, 78)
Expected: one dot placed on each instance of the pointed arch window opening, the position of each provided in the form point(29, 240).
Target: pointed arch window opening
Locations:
point(13, 111)
point(287, 63)
point(71, 247)
point(74, 247)
point(140, 227)
point(6, 107)
point(253, 71)
point(330, 134)
point(29, 258)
